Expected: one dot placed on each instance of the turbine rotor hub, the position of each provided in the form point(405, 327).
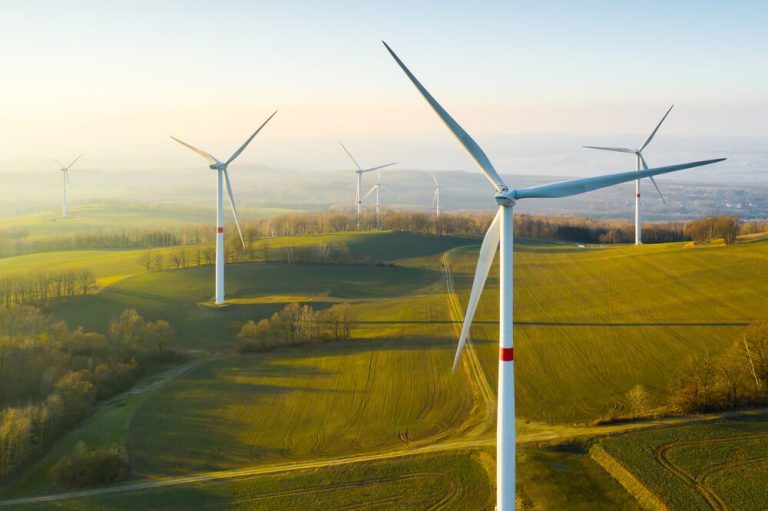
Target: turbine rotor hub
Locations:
point(505, 199)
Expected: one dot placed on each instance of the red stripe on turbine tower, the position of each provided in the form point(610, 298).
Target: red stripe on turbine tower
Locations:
point(638, 195)
point(506, 354)
point(219, 229)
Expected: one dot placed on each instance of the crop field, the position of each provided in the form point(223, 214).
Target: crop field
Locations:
point(456, 481)
point(300, 403)
point(717, 465)
point(591, 323)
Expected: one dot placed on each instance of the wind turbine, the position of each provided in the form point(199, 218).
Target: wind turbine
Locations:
point(377, 188)
point(221, 172)
point(65, 181)
point(639, 163)
point(436, 197)
point(360, 172)
point(500, 232)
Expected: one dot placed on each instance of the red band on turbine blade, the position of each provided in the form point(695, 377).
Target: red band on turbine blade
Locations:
point(638, 195)
point(506, 354)
point(219, 229)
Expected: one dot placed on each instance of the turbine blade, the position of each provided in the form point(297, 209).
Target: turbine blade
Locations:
point(650, 137)
point(645, 166)
point(234, 207)
point(434, 197)
point(350, 155)
point(617, 149)
point(61, 165)
point(74, 161)
point(242, 147)
point(577, 186)
point(434, 179)
point(657, 189)
point(379, 167)
point(474, 150)
point(66, 175)
point(484, 261)
point(373, 188)
point(202, 153)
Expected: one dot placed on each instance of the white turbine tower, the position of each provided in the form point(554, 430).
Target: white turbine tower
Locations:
point(436, 197)
point(221, 172)
point(65, 181)
point(377, 189)
point(360, 172)
point(500, 232)
point(639, 163)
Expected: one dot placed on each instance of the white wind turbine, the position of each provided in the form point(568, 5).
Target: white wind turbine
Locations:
point(65, 181)
point(436, 197)
point(500, 232)
point(639, 163)
point(377, 189)
point(221, 172)
point(360, 172)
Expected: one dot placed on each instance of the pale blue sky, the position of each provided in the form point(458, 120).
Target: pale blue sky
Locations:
point(113, 79)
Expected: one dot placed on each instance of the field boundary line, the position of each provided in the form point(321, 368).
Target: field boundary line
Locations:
point(647, 499)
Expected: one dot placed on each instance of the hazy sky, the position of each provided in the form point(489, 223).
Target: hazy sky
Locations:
point(113, 79)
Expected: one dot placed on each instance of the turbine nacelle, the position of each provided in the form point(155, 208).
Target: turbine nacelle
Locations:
point(505, 198)
point(218, 166)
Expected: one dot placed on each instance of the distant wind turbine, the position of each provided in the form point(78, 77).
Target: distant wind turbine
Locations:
point(65, 181)
point(436, 197)
point(501, 233)
point(360, 172)
point(377, 189)
point(221, 172)
point(639, 163)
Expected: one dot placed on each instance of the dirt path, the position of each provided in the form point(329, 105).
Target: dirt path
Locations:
point(251, 471)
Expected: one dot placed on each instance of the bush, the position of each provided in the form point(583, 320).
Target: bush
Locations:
point(84, 468)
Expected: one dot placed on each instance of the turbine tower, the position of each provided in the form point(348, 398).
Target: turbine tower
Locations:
point(360, 172)
point(222, 173)
point(377, 188)
point(436, 197)
point(65, 181)
point(639, 163)
point(501, 233)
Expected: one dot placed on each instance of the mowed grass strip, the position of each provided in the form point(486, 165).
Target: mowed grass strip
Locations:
point(722, 461)
point(592, 323)
point(451, 481)
point(299, 403)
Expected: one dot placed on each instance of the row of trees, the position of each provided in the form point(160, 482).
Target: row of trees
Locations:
point(41, 287)
point(713, 227)
point(296, 324)
point(50, 375)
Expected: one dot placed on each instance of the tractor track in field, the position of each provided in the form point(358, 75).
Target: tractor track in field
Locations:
point(470, 362)
point(661, 454)
point(251, 472)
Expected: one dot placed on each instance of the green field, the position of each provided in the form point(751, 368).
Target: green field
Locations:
point(592, 323)
point(448, 482)
point(720, 464)
point(89, 218)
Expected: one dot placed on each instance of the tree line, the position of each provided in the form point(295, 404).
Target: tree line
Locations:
point(51, 375)
point(41, 286)
point(296, 324)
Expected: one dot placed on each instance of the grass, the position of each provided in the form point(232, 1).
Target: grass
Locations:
point(299, 403)
point(722, 464)
point(592, 323)
point(455, 481)
point(564, 477)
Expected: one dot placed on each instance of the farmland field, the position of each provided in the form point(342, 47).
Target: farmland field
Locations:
point(721, 464)
point(591, 323)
